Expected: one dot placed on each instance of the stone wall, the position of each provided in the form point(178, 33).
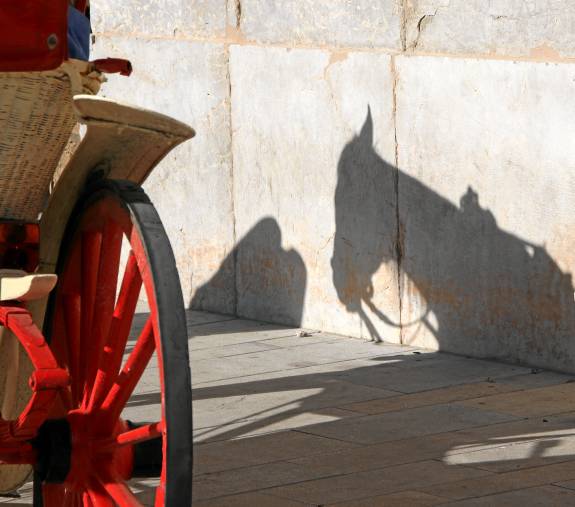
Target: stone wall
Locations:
point(399, 170)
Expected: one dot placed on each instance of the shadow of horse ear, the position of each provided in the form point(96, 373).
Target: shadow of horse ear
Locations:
point(270, 281)
point(366, 133)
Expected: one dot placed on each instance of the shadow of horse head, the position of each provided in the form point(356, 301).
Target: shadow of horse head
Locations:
point(475, 287)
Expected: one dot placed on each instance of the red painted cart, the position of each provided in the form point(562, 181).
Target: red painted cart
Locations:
point(81, 246)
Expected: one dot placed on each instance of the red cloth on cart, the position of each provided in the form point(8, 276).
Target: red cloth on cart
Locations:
point(33, 34)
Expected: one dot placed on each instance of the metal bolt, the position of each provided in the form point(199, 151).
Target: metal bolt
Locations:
point(52, 41)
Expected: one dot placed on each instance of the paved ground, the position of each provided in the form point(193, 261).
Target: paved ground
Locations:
point(288, 417)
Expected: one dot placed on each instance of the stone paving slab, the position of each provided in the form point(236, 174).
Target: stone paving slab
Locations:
point(441, 446)
point(282, 421)
point(438, 371)
point(376, 482)
point(249, 500)
point(542, 496)
point(291, 417)
point(401, 499)
point(238, 453)
point(243, 480)
point(517, 452)
point(501, 483)
point(250, 400)
point(543, 401)
point(406, 424)
point(432, 397)
point(537, 378)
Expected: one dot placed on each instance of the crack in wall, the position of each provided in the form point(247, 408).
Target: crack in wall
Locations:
point(232, 184)
point(421, 24)
point(238, 13)
point(234, 13)
point(403, 28)
point(398, 232)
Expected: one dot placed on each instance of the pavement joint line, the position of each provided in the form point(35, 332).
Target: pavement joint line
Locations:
point(250, 419)
point(499, 492)
point(529, 467)
point(519, 419)
point(201, 324)
point(329, 476)
point(461, 401)
point(559, 485)
point(500, 411)
point(247, 341)
point(279, 371)
point(278, 347)
point(389, 492)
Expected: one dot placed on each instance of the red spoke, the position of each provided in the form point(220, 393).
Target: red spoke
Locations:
point(91, 244)
point(132, 437)
point(130, 375)
point(120, 492)
point(72, 319)
point(98, 495)
point(106, 285)
point(85, 500)
point(113, 352)
point(161, 489)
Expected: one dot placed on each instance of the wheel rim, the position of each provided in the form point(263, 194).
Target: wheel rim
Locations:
point(90, 328)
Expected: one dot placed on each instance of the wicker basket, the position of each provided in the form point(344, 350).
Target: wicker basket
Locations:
point(36, 120)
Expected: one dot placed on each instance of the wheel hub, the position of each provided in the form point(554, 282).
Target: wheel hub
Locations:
point(70, 451)
point(54, 446)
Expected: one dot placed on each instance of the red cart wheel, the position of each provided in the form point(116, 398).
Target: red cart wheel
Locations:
point(87, 452)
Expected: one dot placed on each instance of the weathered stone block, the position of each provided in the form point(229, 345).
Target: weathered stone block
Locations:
point(542, 28)
point(191, 187)
point(336, 22)
point(486, 179)
point(313, 132)
point(172, 18)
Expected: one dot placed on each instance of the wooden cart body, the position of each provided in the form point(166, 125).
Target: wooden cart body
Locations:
point(54, 136)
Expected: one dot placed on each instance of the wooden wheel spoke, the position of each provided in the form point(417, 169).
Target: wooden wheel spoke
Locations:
point(98, 496)
point(119, 491)
point(86, 501)
point(134, 436)
point(130, 374)
point(113, 350)
point(141, 434)
point(105, 296)
point(91, 244)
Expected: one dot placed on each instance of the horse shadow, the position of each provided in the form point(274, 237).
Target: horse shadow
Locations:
point(463, 282)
